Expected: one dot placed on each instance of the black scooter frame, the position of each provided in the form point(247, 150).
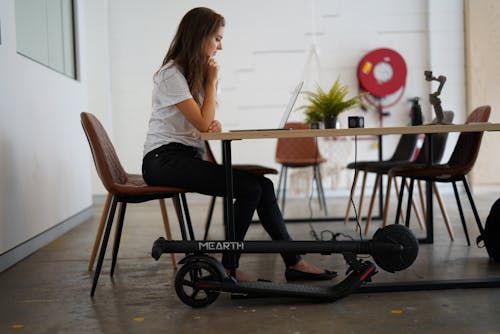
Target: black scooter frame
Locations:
point(393, 248)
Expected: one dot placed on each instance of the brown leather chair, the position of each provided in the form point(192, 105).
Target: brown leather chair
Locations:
point(299, 153)
point(438, 149)
point(461, 162)
point(254, 169)
point(123, 188)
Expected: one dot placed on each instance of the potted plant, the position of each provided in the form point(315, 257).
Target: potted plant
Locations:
point(327, 106)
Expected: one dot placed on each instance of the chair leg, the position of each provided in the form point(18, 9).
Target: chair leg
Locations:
point(473, 205)
point(166, 226)
point(422, 198)
point(351, 196)
point(278, 190)
point(321, 191)
point(208, 221)
point(104, 244)
point(417, 212)
point(401, 213)
point(118, 236)
point(387, 200)
point(100, 229)
point(180, 217)
point(400, 200)
point(410, 199)
point(285, 171)
point(443, 211)
point(372, 202)
point(362, 196)
point(188, 216)
point(460, 209)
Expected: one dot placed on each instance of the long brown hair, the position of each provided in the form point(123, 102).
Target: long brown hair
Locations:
point(187, 49)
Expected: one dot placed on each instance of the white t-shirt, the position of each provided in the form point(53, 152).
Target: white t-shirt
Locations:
point(167, 123)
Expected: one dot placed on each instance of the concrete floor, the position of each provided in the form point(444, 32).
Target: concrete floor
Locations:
point(49, 291)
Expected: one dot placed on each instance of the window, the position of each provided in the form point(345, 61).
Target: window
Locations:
point(45, 33)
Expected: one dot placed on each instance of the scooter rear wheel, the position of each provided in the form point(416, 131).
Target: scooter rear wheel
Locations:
point(398, 235)
point(187, 280)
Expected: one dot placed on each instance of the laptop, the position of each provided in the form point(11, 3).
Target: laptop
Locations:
point(286, 113)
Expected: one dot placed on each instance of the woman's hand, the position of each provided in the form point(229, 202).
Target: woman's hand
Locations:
point(212, 70)
point(215, 126)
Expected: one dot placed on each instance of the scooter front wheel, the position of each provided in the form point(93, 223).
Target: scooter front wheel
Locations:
point(194, 283)
point(398, 235)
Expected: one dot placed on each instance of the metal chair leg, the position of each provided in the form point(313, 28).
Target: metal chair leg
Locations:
point(188, 216)
point(284, 191)
point(278, 190)
point(104, 244)
point(100, 229)
point(473, 205)
point(410, 198)
point(351, 196)
point(387, 200)
point(460, 210)
point(180, 216)
point(400, 200)
point(118, 236)
point(362, 196)
point(208, 221)
point(320, 189)
point(166, 225)
point(417, 212)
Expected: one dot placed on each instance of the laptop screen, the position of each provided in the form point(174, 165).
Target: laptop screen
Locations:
point(291, 103)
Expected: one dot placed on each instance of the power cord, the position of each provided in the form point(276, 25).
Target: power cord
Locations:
point(333, 235)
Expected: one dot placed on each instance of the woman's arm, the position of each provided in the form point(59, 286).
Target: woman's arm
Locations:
point(203, 118)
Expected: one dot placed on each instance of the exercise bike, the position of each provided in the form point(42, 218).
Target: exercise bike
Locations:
point(202, 278)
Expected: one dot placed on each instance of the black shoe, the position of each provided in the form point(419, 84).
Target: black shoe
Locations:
point(296, 275)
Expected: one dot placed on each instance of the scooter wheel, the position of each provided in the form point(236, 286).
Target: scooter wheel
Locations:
point(188, 279)
point(398, 235)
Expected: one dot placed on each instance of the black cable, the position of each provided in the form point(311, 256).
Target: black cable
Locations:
point(333, 235)
point(352, 187)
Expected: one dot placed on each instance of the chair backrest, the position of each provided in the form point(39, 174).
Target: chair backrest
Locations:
point(438, 143)
point(107, 164)
point(297, 150)
point(406, 148)
point(407, 144)
point(467, 147)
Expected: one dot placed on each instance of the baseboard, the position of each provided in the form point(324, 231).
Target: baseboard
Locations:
point(21, 251)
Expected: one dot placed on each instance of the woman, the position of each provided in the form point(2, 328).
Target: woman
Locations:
point(184, 104)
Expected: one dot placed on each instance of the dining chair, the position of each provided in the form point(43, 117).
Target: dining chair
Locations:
point(460, 163)
point(403, 153)
point(124, 188)
point(438, 149)
point(253, 169)
point(299, 153)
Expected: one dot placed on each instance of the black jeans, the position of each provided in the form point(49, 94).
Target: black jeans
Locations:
point(178, 165)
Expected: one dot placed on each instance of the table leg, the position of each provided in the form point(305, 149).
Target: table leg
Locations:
point(429, 219)
point(228, 199)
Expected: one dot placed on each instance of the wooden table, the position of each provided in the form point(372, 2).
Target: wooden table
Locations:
point(433, 284)
point(228, 137)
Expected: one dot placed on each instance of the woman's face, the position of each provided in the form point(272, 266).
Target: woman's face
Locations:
point(214, 42)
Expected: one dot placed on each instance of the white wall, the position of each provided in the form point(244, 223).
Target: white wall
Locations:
point(44, 156)
point(45, 164)
point(266, 48)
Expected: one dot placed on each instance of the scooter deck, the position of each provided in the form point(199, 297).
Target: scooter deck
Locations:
point(270, 289)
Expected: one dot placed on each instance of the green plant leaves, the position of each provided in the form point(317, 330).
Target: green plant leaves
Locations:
point(331, 102)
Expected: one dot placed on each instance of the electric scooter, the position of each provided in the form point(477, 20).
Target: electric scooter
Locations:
point(202, 278)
